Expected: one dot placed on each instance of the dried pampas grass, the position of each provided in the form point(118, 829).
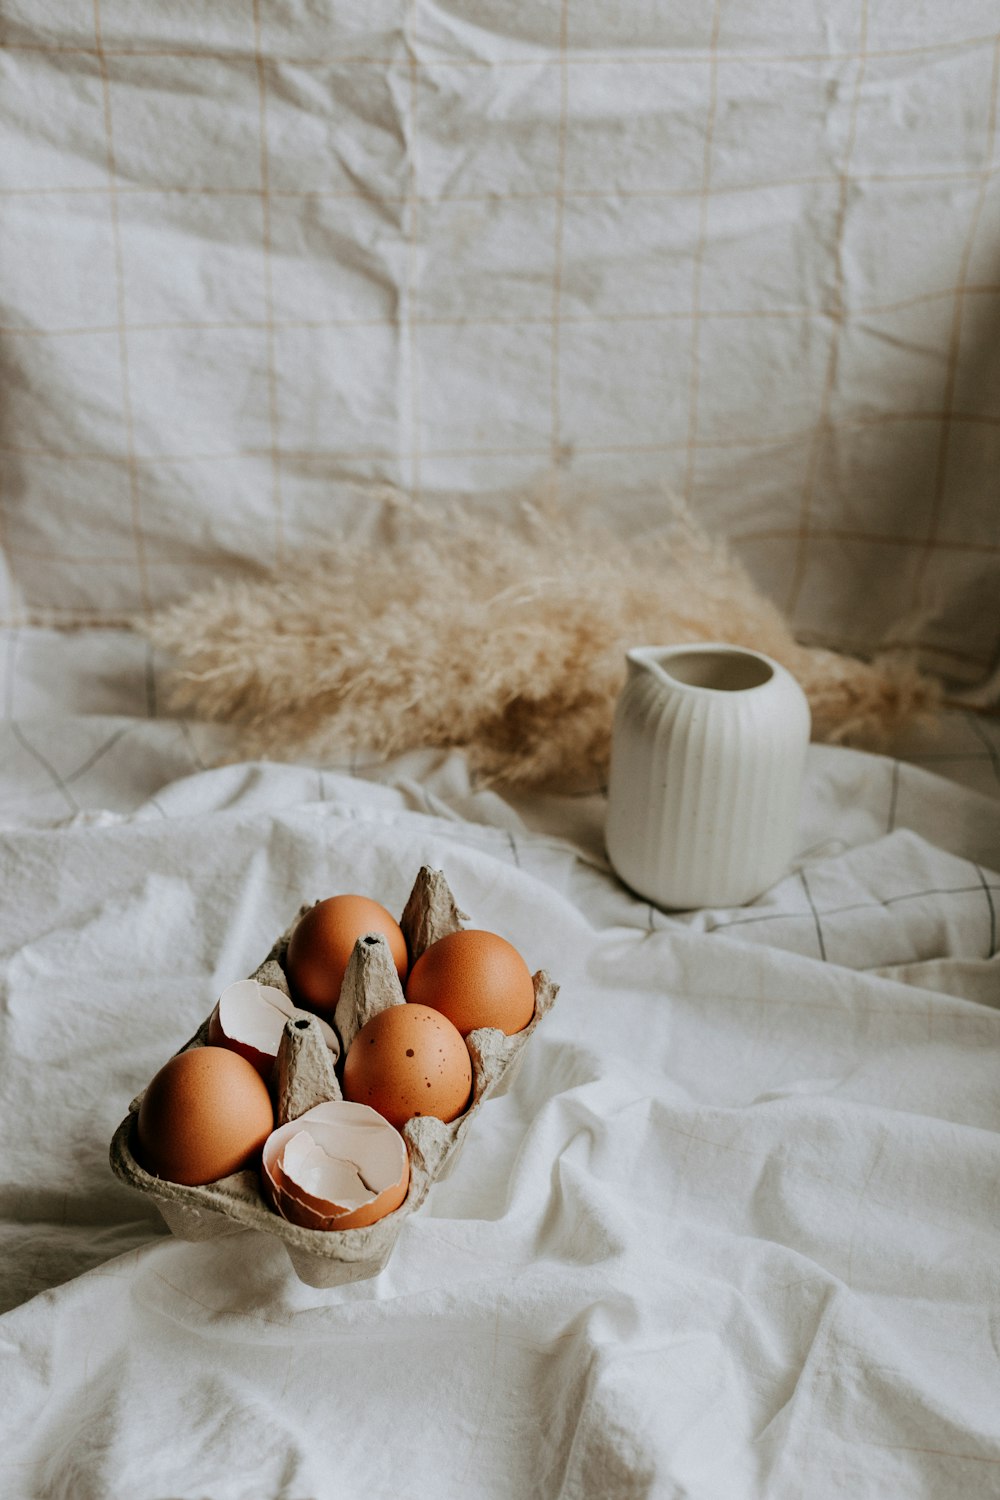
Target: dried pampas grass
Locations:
point(457, 630)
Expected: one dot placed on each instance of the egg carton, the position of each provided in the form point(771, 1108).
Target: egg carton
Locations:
point(305, 1075)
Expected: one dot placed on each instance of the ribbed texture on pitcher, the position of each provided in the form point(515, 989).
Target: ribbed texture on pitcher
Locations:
point(708, 751)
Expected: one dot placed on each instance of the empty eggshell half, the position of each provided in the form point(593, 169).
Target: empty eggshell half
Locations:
point(249, 1018)
point(338, 1166)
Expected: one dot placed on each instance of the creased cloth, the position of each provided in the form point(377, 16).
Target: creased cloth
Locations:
point(733, 1232)
point(259, 262)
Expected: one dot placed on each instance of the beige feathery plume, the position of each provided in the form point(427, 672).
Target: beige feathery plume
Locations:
point(509, 642)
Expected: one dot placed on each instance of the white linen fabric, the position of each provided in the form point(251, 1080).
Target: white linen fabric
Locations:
point(733, 1231)
point(262, 260)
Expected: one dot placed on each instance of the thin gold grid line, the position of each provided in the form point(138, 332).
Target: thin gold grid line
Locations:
point(555, 407)
point(699, 255)
point(833, 356)
point(492, 195)
point(527, 320)
point(679, 445)
point(965, 1458)
point(954, 348)
point(122, 327)
point(42, 554)
point(874, 538)
point(269, 335)
point(413, 225)
point(91, 614)
point(453, 60)
point(765, 534)
point(21, 450)
point(19, 617)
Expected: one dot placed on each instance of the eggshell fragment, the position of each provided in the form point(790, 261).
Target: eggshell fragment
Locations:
point(249, 1018)
point(338, 1166)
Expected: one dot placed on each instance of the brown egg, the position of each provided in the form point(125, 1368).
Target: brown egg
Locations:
point(322, 943)
point(206, 1113)
point(409, 1060)
point(475, 979)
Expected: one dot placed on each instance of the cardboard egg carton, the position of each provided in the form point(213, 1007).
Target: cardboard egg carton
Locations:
point(305, 1075)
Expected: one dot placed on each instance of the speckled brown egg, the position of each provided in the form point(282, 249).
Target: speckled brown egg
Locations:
point(206, 1113)
point(475, 979)
point(409, 1060)
point(322, 943)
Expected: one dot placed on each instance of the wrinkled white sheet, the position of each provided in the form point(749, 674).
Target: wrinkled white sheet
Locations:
point(733, 1232)
point(259, 262)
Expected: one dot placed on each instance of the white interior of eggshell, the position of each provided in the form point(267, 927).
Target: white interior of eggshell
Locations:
point(311, 1166)
point(255, 1014)
point(305, 1077)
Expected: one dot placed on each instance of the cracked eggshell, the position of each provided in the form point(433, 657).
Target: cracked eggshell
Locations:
point(338, 1166)
point(249, 1019)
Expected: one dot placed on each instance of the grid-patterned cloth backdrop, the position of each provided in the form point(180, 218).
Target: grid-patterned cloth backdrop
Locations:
point(262, 257)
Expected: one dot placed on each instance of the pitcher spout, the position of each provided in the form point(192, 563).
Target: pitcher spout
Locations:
point(643, 660)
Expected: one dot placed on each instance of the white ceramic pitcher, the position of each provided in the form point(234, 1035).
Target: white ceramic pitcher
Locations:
point(707, 755)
